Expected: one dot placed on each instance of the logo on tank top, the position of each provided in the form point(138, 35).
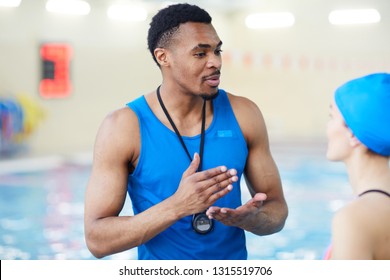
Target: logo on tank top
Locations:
point(225, 133)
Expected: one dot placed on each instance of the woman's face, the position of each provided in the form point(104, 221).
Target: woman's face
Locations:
point(338, 135)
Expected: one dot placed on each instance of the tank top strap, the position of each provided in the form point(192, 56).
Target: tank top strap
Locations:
point(139, 106)
point(375, 190)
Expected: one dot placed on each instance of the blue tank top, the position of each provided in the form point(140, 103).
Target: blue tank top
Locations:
point(157, 175)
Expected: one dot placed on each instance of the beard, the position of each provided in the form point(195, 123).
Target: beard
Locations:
point(211, 96)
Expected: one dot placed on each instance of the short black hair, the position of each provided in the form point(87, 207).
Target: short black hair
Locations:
point(166, 23)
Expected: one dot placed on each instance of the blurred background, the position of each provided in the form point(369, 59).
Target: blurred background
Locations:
point(290, 72)
point(63, 69)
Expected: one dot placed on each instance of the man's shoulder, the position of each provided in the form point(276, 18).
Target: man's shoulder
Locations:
point(120, 118)
point(119, 128)
point(243, 106)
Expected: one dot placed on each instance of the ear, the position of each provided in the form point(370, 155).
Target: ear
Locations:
point(161, 56)
point(353, 141)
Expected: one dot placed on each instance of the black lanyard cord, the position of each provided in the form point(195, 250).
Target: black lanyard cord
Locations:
point(202, 134)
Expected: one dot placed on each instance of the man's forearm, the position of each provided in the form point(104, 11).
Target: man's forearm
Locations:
point(111, 235)
point(270, 219)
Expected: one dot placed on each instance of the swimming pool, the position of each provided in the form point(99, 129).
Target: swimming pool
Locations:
point(41, 211)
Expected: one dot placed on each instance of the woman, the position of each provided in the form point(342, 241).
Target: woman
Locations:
point(359, 135)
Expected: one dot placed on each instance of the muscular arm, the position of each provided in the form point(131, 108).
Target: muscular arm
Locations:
point(267, 211)
point(106, 232)
point(262, 177)
point(117, 145)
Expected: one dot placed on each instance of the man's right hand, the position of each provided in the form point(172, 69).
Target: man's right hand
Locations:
point(199, 190)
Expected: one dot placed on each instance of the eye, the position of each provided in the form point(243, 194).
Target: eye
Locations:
point(200, 54)
point(218, 52)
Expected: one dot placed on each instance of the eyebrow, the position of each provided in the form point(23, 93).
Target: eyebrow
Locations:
point(206, 46)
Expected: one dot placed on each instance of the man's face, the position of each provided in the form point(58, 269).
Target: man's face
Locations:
point(195, 58)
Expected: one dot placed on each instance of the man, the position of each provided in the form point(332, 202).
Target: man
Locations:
point(180, 152)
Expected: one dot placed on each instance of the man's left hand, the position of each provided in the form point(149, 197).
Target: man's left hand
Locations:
point(240, 216)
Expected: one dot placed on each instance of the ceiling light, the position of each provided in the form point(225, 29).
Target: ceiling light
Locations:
point(70, 7)
point(124, 12)
point(270, 20)
point(361, 16)
point(10, 3)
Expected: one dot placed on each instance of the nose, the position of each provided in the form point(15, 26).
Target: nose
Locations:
point(215, 61)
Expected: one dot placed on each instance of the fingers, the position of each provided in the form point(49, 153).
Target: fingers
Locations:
point(221, 192)
point(211, 173)
point(218, 178)
point(219, 185)
point(213, 210)
point(227, 216)
point(223, 180)
point(237, 216)
point(213, 180)
point(193, 166)
point(206, 186)
point(257, 200)
point(260, 197)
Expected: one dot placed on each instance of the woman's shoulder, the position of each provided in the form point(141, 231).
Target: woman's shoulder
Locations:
point(358, 211)
point(363, 217)
point(358, 229)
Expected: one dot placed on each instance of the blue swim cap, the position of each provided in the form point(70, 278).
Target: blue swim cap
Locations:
point(365, 106)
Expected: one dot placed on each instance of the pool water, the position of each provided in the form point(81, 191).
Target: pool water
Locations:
point(41, 212)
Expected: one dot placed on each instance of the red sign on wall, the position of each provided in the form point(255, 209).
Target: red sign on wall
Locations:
point(55, 80)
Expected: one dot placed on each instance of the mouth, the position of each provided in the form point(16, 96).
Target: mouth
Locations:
point(213, 80)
